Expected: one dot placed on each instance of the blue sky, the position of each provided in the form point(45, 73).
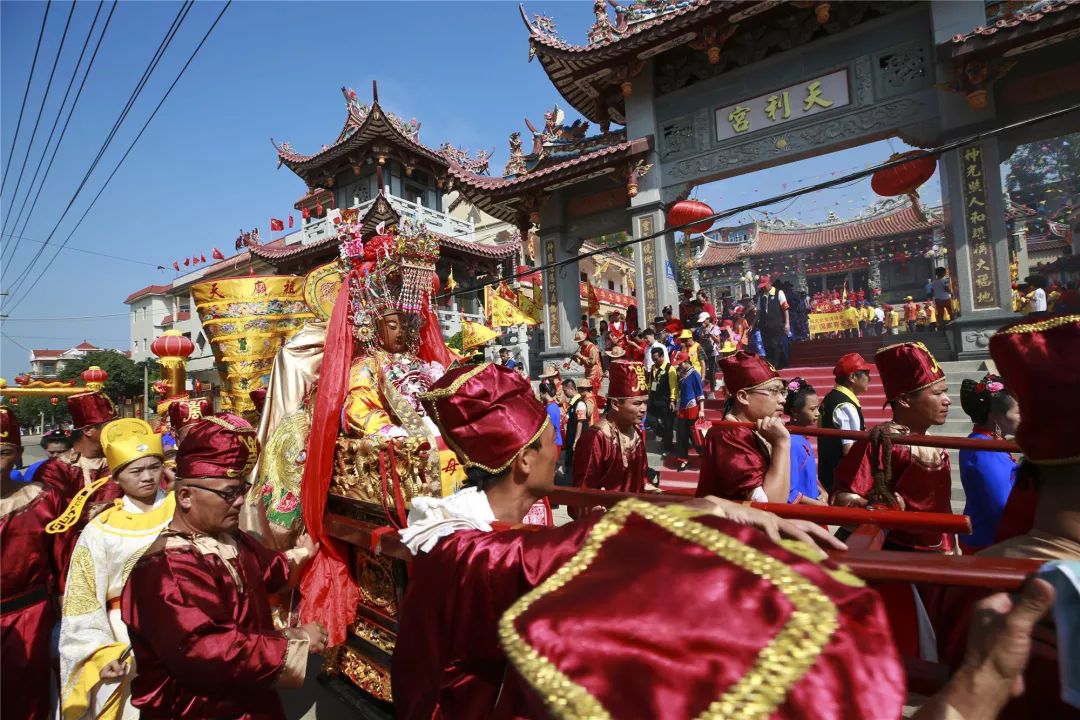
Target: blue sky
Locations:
point(205, 167)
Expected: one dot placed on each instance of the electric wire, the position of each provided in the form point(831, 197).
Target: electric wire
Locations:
point(26, 94)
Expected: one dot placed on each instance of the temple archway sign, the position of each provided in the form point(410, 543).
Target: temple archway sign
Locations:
point(723, 89)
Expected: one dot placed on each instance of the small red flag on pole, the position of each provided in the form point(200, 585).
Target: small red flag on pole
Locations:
point(276, 225)
point(217, 254)
point(202, 258)
point(176, 265)
point(290, 220)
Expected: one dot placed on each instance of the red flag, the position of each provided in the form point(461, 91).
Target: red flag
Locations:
point(187, 261)
point(290, 220)
point(176, 265)
point(202, 258)
point(276, 225)
point(217, 254)
point(306, 213)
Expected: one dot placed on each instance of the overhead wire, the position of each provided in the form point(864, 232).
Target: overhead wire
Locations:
point(19, 232)
point(48, 141)
point(131, 147)
point(41, 107)
point(158, 54)
point(157, 266)
point(26, 95)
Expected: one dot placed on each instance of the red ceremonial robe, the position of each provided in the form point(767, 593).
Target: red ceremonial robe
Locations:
point(448, 662)
point(205, 646)
point(599, 461)
point(28, 567)
point(922, 479)
point(734, 463)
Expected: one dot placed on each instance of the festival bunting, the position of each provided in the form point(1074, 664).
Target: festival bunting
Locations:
point(176, 265)
point(217, 254)
point(276, 225)
point(501, 312)
point(473, 334)
point(529, 306)
point(594, 303)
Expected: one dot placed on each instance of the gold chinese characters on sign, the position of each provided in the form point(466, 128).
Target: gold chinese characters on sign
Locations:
point(551, 291)
point(784, 105)
point(983, 278)
point(648, 264)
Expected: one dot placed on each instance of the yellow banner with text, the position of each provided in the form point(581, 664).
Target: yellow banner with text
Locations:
point(823, 323)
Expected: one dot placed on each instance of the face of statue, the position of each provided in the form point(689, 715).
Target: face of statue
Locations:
point(392, 333)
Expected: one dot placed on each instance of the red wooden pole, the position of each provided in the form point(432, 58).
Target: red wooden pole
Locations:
point(943, 441)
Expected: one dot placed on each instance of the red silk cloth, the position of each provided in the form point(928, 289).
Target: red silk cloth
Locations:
point(626, 378)
point(745, 371)
point(906, 367)
point(66, 480)
point(90, 408)
point(29, 571)
point(923, 488)
point(214, 450)
point(611, 627)
point(447, 662)
point(1038, 360)
point(188, 410)
point(598, 463)
point(205, 648)
point(733, 464)
point(10, 432)
point(487, 413)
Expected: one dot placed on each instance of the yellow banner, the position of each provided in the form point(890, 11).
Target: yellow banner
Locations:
point(529, 306)
point(474, 335)
point(822, 323)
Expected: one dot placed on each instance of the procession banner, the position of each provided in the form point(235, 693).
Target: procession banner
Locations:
point(822, 323)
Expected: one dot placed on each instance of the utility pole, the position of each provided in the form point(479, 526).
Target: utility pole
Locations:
point(146, 391)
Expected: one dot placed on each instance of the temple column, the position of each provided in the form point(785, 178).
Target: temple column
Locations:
point(655, 258)
point(562, 299)
point(800, 272)
point(976, 233)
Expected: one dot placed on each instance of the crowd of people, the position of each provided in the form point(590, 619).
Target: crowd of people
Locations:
point(131, 546)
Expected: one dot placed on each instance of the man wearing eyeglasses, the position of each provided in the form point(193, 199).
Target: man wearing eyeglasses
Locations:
point(742, 463)
point(197, 602)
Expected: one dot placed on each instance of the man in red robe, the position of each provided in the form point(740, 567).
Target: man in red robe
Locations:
point(588, 357)
point(28, 579)
point(918, 394)
point(611, 454)
point(447, 661)
point(743, 463)
point(197, 602)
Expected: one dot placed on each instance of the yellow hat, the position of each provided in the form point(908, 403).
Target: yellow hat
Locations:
point(128, 439)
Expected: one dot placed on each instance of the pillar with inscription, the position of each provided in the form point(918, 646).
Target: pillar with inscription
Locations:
point(562, 299)
point(974, 206)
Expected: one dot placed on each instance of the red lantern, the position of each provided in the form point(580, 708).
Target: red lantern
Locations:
point(905, 178)
point(690, 211)
point(13, 400)
point(94, 376)
point(172, 344)
point(54, 400)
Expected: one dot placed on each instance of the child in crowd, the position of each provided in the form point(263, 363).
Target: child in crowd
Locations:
point(803, 406)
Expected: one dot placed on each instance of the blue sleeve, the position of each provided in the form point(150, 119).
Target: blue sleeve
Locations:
point(695, 384)
point(27, 474)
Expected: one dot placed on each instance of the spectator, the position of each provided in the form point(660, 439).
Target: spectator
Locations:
point(691, 346)
point(663, 399)
point(547, 396)
point(851, 320)
point(773, 320)
point(651, 343)
point(672, 324)
point(577, 419)
point(1038, 292)
point(691, 401)
point(842, 410)
point(879, 319)
point(942, 292)
point(911, 313)
point(505, 360)
point(706, 306)
point(803, 407)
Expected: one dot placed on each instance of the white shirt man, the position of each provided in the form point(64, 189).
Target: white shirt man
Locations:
point(654, 343)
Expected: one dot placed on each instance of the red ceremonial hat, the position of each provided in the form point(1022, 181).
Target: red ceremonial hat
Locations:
point(187, 411)
point(258, 397)
point(627, 379)
point(90, 408)
point(218, 446)
point(906, 368)
point(601, 636)
point(746, 371)
point(1039, 365)
point(10, 432)
point(486, 413)
point(851, 363)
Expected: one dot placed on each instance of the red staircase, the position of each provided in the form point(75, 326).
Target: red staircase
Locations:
point(825, 352)
point(821, 377)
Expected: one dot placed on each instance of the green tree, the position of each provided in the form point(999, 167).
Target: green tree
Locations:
point(125, 376)
point(29, 410)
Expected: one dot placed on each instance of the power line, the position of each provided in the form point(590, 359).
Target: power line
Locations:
point(63, 130)
point(92, 252)
point(169, 35)
point(202, 42)
point(72, 317)
point(52, 133)
point(26, 94)
point(41, 107)
point(933, 152)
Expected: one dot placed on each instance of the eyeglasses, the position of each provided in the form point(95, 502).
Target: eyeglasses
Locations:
point(779, 392)
point(230, 495)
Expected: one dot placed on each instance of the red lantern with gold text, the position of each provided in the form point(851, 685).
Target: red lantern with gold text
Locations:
point(905, 178)
point(690, 211)
point(173, 349)
point(94, 377)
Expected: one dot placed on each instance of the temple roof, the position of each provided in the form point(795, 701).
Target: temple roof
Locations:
point(1034, 21)
point(148, 290)
point(887, 218)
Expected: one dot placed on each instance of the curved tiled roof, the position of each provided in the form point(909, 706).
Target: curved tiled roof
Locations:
point(1048, 14)
point(906, 219)
point(496, 251)
point(148, 290)
point(718, 254)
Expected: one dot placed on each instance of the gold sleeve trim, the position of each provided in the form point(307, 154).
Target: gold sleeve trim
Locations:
point(778, 667)
point(1041, 326)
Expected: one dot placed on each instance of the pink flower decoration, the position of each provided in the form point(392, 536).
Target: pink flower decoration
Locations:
point(994, 386)
point(793, 386)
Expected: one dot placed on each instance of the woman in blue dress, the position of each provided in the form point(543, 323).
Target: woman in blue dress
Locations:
point(987, 475)
point(803, 406)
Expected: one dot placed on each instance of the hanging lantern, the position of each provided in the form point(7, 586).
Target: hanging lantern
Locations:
point(689, 211)
point(13, 400)
point(94, 377)
point(905, 178)
point(54, 400)
point(173, 348)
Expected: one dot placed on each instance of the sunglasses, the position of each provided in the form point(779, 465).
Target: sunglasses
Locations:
point(229, 496)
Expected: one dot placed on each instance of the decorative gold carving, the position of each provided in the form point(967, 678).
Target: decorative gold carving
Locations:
point(357, 468)
point(360, 671)
point(375, 635)
point(375, 575)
